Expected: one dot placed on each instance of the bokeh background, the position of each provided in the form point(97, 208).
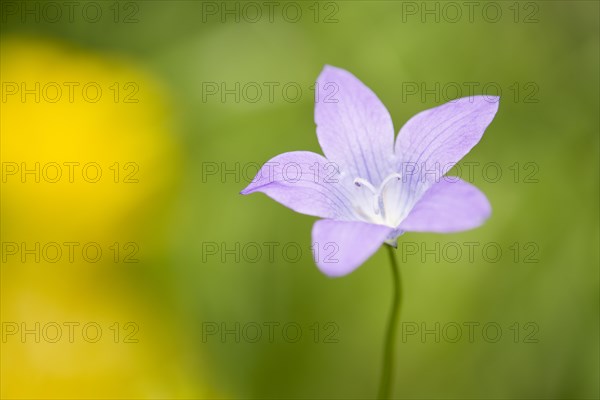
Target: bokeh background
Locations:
point(179, 289)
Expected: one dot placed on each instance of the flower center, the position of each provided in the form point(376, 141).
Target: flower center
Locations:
point(371, 203)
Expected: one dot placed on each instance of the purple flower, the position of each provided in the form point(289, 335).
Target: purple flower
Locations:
point(370, 190)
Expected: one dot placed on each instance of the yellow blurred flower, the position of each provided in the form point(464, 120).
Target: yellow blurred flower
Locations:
point(88, 163)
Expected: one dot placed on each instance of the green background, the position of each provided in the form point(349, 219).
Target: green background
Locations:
point(547, 123)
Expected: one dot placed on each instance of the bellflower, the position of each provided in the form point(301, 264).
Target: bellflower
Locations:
point(369, 189)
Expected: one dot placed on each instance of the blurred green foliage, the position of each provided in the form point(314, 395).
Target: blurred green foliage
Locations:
point(547, 70)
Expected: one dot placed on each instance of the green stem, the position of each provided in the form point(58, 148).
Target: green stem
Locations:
point(388, 349)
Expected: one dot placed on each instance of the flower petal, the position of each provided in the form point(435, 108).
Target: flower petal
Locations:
point(339, 247)
point(304, 181)
point(451, 205)
point(431, 142)
point(354, 128)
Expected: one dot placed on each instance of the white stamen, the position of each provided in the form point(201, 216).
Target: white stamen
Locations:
point(363, 182)
point(378, 202)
